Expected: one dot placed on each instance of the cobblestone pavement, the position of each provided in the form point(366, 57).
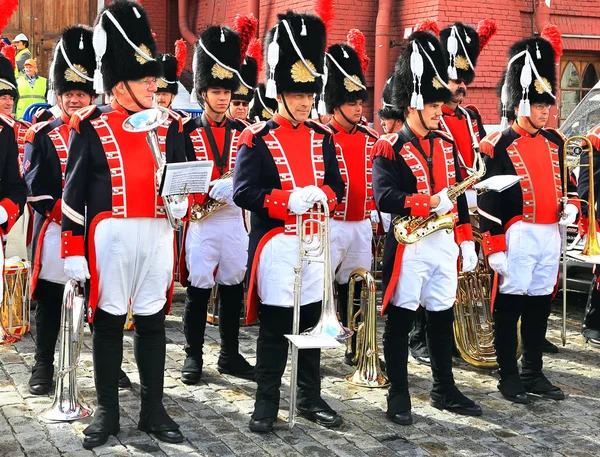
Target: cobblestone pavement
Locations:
point(214, 414)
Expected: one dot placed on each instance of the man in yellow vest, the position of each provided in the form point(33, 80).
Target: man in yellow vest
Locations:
point(21, 44)
point(32, 88)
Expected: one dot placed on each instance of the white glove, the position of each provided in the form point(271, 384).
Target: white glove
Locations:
point(374, 216)
point(469, 256)
point(76, 267)
point(296, 203)
point(312, 194)
point(179, 209)
point(499, 263)
point(569, 215)
point(3, 215)
point(222, 189)
point(445, 204)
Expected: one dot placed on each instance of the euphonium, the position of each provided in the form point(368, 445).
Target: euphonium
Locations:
point(67, 404)
point(368, 371)
point(410, 229)
point(210, 206)
point(148, 121)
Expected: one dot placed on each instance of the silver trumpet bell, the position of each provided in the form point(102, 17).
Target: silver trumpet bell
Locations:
point(67, 404)
point(148, 121)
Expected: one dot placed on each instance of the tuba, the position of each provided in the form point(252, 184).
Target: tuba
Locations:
point(148, 121)
point(368, 371)
point(67, 404)
point(210, 206)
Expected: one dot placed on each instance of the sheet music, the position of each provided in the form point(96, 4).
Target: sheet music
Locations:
point(498, 183)
point(186, 178)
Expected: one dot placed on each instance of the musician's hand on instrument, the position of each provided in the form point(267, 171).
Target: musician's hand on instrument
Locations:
point(222, 189)
point(297, 204)
point(313, 194)
point(3, 215)
point(445, 205)
point(469, 256)
point(375, 216)
point(569, 215)
point(179, 209)
point(76, 267)
point(499, 262)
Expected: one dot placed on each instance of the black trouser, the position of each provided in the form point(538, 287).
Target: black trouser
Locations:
point(194, 321)
point(507, 311)
point(231, 299)
point(534, 323)
point(417, 338)
point(47, 326)
point(591, 319)
point(271, 358)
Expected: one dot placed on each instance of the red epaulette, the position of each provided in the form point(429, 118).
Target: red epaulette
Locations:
point(81, 115)
point(176, 117)
point(38, 113)
point(372, 132)
point(446, 136)
point(312, 124)
point(7, 120)
point(243, 122)
point(594, 137)
point(473, 108)
point(33, 130)
point(247, 136)
point(385, 146)
point(25, 123)
point(488, 144)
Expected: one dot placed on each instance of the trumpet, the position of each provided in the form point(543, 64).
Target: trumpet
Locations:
point(67, 404)
point(148, 121)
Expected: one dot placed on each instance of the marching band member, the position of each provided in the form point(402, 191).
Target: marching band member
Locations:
point(262, 108)
point(284, 166)
point(412, 171)
point(351, 229)
point(390, 118)
point(168, 83)
point(220, 241)
point(113, 217)
point(520, 226)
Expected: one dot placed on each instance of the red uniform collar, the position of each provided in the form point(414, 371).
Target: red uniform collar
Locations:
point(418, 136)
point(337, 126)
point(214, 123)
point(63, 117)
point(284, 123)
point(117, 107)
point(521, 131)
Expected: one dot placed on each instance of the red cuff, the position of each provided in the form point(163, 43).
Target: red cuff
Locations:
point(71, 245)
point(56, 214)
point(277, 204)
point(463, 232)
point(12, 209)
point(418, 204)
point(583, 225)
point(331, 198)
point(492, 244)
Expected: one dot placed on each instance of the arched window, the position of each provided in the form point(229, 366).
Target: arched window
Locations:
point(578, 75)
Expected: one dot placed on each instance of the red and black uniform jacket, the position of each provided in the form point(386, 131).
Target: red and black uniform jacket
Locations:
point(538, 159)
point(109, 173)
point(273, 158)
point(44, 166)
point(583, 183)
point(353, 152)
point(13, 190)
point(407, 171)
point(42, 115)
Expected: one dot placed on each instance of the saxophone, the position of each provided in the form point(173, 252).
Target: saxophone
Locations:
point(410, 229)
point(210, 205)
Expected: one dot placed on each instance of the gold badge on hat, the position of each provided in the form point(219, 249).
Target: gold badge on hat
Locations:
point(219, 72)
point(461, 63)
point(5, 86)
point(243, 90)
point(435, 82)
point(352, 84)
point(538, 85)
point(301, 74)
point(161, 83)
point(266, 114)
point(73, 77)
point(140, 58)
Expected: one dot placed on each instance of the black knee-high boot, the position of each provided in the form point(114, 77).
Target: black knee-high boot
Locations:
point(230, 307)
point(124, 381)
point(398, 323)
point(417, 338)
point(194, 326)
point(591, 319)
point(107, 351)
point(149, 346)
point(440, 338)
point(47, 326)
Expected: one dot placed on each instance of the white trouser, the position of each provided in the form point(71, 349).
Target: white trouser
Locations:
point(533, 259)
point(218, 241)
point(52, 266)
point(429, 274)
point(350, 247)
point(134, 262)
point(16, 240)
point(275, 273)
point(386, 221)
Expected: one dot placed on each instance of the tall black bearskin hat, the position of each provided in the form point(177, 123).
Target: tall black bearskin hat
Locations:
point(261, 106)
point(388, 110)
point(461, 44)
point(295, 53)
point(531, 74)
point(250, 55)
point(217, 60)
point(249, 73)
point(8, 83)
point(172, 68)
point(74, 62)
point(124, 46)
point(420, 75)
point(345, 78)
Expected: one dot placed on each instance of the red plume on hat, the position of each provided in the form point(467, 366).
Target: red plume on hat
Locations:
point(428, 25)
point(9, 52)
point(255, 50)
point(180, 55)
point(356, 39)
point(324, 9)
point(486, 29)
point(8, 9)
point(246, 27)
point(552, 34)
